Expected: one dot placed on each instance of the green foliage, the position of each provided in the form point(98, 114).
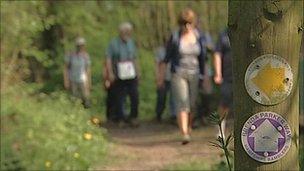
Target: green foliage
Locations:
point(22, 20)
point(21, 24)
point(221, 166)
point(45, 30)
point(192, 165)
point(43, 132)
point(147, 89)
point(221, 142)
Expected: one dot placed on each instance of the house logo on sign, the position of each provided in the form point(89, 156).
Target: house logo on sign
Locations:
point(266, 136)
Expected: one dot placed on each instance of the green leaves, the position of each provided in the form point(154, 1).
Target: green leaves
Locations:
point(221, 142)
point(214, 118)
point(47, 132)
point(228, 140)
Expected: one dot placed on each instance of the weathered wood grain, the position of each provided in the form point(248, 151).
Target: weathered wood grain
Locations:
point(257, 28)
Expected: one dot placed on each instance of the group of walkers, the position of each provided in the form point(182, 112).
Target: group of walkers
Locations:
point(181, 71)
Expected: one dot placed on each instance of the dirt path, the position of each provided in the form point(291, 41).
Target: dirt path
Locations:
point(157, 146)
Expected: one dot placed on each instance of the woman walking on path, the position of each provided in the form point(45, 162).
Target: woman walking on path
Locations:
point(186, 52)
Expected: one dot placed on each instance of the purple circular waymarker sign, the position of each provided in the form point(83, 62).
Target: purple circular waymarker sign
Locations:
point(266, 137)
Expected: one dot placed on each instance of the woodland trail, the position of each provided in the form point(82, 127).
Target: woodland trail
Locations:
point(157, 146)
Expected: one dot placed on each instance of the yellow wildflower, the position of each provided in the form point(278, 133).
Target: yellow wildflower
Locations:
point(48, 164)
point(87, 136)
point(76, 155)
point(95, 121)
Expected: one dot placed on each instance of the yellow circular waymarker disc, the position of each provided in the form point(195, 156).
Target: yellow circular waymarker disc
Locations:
point(269, 79)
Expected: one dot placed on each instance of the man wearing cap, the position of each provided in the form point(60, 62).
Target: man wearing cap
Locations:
point(77, 73)
point(123, 73)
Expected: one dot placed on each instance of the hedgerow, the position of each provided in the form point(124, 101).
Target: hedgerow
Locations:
point(41, 132)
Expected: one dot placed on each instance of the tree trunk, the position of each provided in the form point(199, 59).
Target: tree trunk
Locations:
point(302, 84)
point(172, 18)
point(257, 28)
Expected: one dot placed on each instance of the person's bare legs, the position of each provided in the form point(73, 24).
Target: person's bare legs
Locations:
point(183, 121)
point(181, 92)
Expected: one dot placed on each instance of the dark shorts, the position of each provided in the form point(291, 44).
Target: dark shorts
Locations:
point(226, 94)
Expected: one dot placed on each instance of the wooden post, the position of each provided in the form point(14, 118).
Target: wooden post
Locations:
point(257, 28)
point(302, 84)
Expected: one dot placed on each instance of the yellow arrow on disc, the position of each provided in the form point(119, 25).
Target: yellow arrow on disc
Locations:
point(270, 80)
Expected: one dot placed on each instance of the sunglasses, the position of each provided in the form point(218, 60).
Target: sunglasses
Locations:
point(186, 23)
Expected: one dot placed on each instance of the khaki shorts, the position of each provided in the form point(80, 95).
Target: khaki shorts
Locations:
point(185, 92)
point(80, 90)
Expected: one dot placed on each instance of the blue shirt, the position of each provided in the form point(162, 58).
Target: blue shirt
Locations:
point(78, 64)
point(118, 50)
